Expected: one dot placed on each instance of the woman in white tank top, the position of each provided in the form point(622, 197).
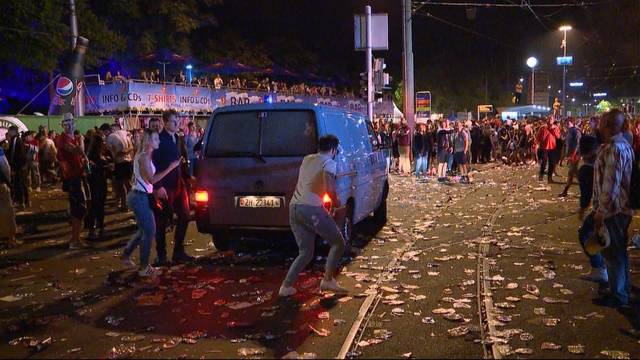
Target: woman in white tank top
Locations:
point(139, 200)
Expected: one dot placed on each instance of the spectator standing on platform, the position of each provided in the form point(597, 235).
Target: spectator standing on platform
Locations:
point(72, 163)
point(18, 161)
point(171, 190)
point(611, 205)
point(8, 224)
point(121, 147)
point(217, 82)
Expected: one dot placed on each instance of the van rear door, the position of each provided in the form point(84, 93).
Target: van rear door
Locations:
point(251, 165)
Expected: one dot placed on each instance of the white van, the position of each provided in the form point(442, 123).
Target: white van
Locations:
point(250, 160)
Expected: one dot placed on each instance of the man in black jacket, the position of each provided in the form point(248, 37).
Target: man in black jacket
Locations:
point(476, 141)
point(17, 156)
point(172, 191)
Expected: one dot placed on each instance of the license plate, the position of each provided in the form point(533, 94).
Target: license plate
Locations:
point(259, 201)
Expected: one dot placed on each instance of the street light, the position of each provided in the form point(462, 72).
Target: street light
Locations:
point(564, 29)
point(532, 62)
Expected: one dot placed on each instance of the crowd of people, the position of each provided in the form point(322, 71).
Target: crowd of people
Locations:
point(83, 164)
point(601, 152)
point(215, 81)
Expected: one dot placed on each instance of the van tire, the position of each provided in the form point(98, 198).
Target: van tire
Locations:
point(222, 239)
point(347, 230)
point(380, 214)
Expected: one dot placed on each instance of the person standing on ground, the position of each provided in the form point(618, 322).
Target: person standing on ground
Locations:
point(8, 226)
point(48, 154)
point(476, 142)
point(572, 143)
point(172, 191)
point(100, 168)
point(611, 205)
point(419, 149)
point(33, 161)
point(17, 157)
point(404, 147)
point(589, 151)
point(461, 151)
point(121, 147)
point(72, 164)
point(547, 136)
point(445, 148)
point(190, 140)
point(309, 218)
point(140, 200)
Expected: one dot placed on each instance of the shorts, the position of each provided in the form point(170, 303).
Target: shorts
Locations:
point(443, 156)
point(8, 216)
point(460, 158)
point(123, 171)
point(77, 190)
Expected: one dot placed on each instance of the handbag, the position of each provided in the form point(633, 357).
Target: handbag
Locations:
point(594, 241)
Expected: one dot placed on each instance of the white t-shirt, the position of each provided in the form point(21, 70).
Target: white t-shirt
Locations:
point(311, 186)
point(118, 141)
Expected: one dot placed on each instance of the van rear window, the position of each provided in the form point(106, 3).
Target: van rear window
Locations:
point(263, 134)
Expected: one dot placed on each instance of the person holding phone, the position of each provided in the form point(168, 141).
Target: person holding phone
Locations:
point(171, 191)
point(141, 201)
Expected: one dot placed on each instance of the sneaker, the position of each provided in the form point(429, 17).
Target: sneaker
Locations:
point(149, 271)
point(286, 291)
point(332, 286)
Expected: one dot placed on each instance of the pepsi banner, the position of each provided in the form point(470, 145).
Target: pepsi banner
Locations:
point(143, 97)
point(69, 84)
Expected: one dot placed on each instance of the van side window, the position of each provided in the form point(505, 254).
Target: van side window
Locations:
point(360, 135)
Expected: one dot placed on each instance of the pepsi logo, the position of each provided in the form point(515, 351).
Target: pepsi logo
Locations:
point(64, 86)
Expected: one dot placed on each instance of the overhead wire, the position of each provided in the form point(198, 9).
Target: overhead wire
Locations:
point(581, 4)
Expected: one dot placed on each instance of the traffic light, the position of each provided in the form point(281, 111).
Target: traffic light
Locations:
point(363, 86)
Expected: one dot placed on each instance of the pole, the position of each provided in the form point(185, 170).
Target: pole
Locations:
point(533, 85)
point(564, 76)
point(409, 99)
point(164, 70)
point(367, 11)
point(74, 24)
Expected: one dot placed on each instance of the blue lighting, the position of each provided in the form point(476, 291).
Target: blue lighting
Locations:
point(189, 67)
point(268, 99)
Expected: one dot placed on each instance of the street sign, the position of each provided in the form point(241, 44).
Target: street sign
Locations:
point(423, 105)
point(576, 84)
point(564, 60)
point(485, 108)
point(379, 32)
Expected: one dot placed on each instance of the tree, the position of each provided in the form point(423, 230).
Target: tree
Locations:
point(398, 96)
point(603, 106)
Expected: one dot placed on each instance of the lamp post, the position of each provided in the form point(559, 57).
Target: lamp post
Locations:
point(189, 67)
point(164, 69)
point(564, 29)
point(532, 62)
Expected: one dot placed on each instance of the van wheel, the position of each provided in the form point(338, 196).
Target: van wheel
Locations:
point(222, 240)
point(380, 214)
point(347, 231)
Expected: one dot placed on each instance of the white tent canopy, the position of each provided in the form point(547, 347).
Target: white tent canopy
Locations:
point(397, 114)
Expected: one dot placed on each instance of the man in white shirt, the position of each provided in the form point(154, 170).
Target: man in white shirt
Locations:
point(308, 217)
point(121, 147)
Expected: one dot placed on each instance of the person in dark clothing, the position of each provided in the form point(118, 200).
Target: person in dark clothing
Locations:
point(588, 148)
point(172, 191)
point(476, 142)
point(101, 167)
point(485, 144)
point(17, 156)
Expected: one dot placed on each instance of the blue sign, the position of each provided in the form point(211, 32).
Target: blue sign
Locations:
point(564, 60)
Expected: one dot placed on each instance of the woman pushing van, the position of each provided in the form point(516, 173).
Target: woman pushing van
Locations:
point(308, 217)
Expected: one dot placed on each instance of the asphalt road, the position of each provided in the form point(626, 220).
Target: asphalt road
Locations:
point(446, 277)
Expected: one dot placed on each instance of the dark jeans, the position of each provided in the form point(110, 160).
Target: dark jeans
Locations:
point(178, 201)
point(98, 186)
point(547, 159)
point(475, 153)
point(19, 187)
point(585, 231)
point(616, 256)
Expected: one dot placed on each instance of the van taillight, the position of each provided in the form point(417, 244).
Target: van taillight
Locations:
point(326, 201)
point(202, 197)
